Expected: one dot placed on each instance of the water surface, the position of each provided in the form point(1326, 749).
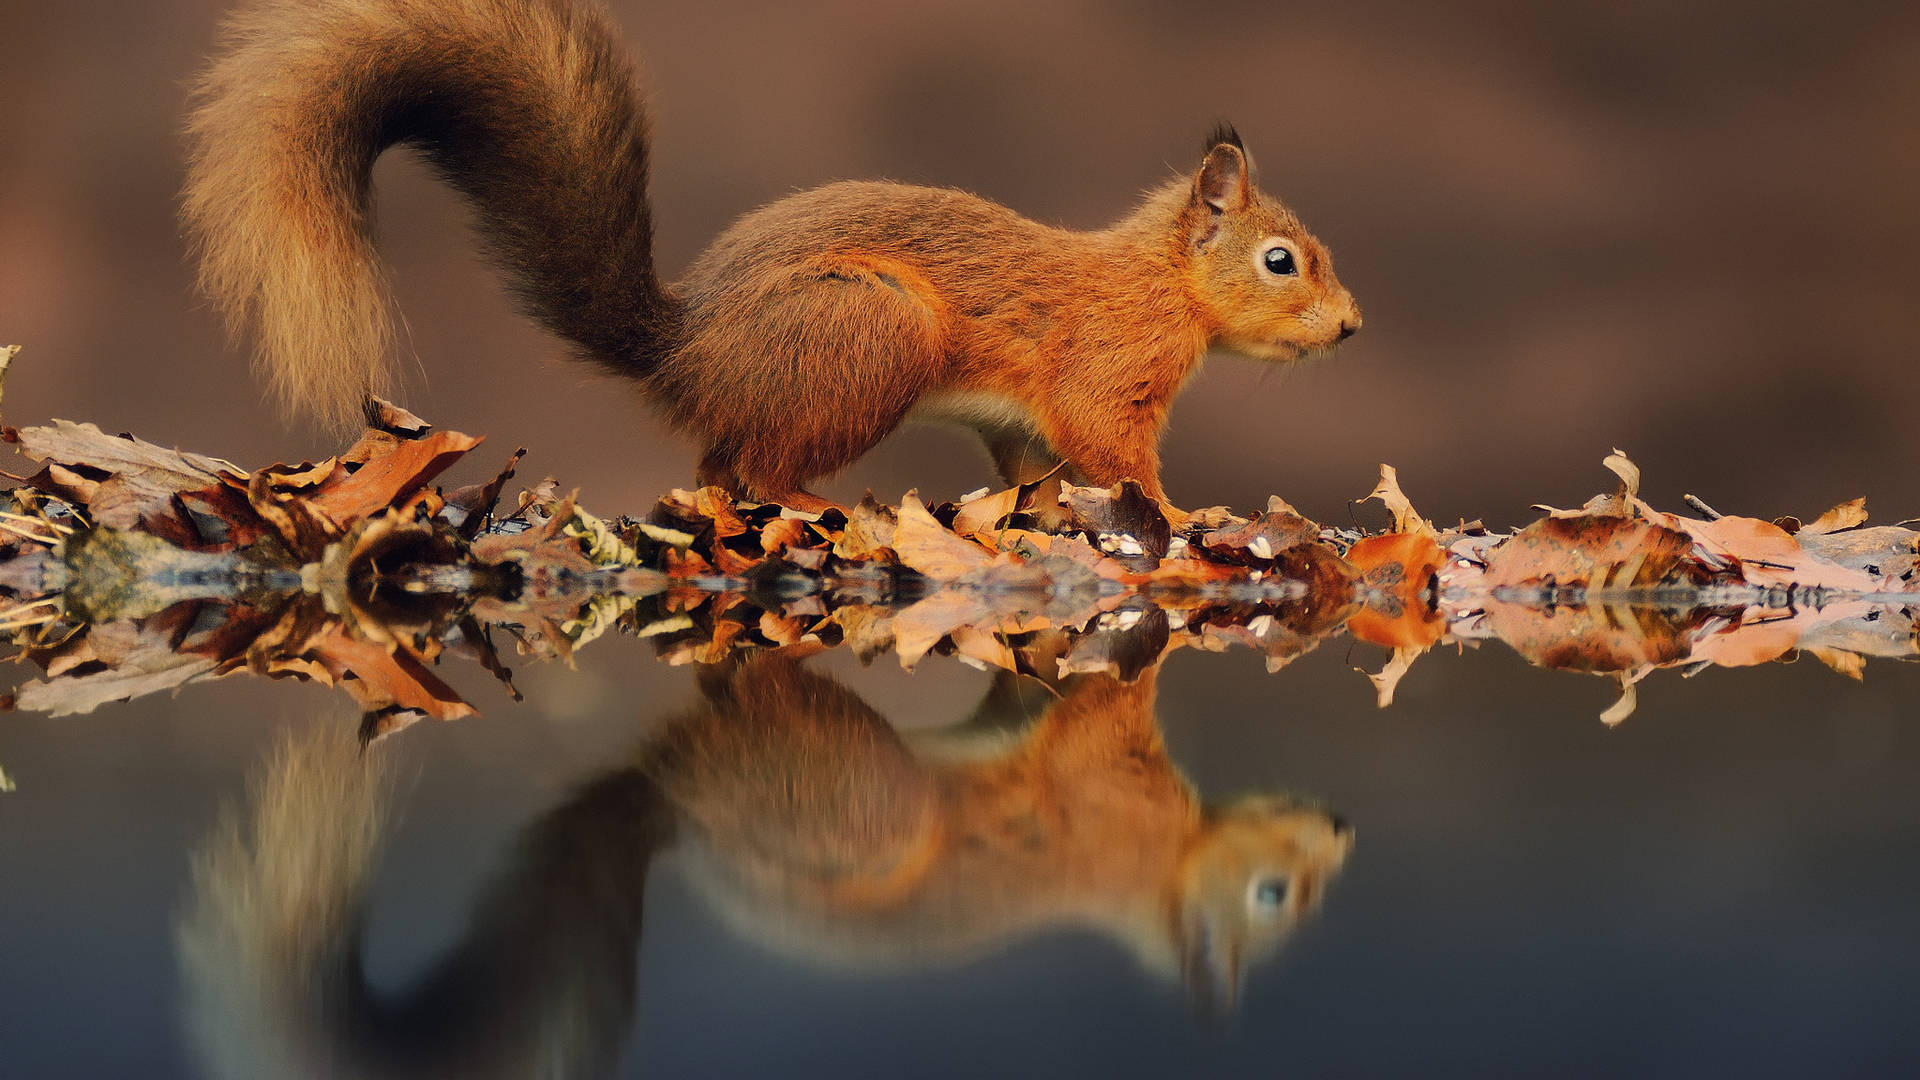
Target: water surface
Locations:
point(1720, 882)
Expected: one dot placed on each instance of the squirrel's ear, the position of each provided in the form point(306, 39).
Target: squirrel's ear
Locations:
point(1222, 181)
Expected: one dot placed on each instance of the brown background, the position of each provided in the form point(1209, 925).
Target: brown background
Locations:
point(1688, 234)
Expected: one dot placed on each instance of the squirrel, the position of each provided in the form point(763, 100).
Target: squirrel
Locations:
point(800, 816)
point(806, 332)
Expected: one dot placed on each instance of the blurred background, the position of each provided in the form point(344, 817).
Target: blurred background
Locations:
point(1687, 233)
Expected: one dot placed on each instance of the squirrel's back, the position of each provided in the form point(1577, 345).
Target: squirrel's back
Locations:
point(527, 107)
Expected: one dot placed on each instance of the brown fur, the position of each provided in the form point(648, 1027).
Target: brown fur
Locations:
point(809, 823)
point(526, 106)
point(804, 335)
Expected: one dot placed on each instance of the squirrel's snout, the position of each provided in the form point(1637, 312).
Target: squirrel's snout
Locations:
point(1350, 325)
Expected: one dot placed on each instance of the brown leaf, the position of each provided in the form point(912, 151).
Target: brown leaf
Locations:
point(1595, 552)
point(1262, 539)
point(784, 532)
point(869, 532)
point(85, 444)
point(1769, 556)
point(732, 563)
point(1123, 509)
point(1885, 552)
point(292, 478)
point(302, 526)
point(389, 478)
point(1395, 571)
point(478, 500)
point(1848, 515)
point(384, 415)
point(1620, 465)
point(709, 504)
point(58, 480)
point(981, 517)
point(1213, 517)
point(924, 545)
point(136, 479)
point(1405, 518)
point(684, 564)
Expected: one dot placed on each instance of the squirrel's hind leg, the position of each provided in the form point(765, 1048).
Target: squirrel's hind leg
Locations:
point(816, 364)
point(717, 469)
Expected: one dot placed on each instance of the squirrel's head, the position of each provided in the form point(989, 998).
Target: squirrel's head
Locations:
point(1267, 285)
point(1256, 868)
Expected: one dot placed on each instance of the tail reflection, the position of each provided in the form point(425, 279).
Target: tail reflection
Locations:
point(810, 824)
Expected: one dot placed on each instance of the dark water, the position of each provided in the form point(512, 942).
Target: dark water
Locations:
point(1722, 883)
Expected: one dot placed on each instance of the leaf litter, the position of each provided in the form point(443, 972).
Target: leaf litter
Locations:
point(128, 568)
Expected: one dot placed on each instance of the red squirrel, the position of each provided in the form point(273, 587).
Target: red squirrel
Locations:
point(800, 338)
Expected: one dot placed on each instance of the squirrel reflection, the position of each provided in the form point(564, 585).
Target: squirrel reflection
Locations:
point(808, 822)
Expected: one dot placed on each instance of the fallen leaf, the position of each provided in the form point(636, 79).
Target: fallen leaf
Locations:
point(869, 532)
point(391, 477)
point(1122, 510)
point(926, 546)
point(981, 517)
point(1847, 515)
point(1595, 552)
point(1405, 518)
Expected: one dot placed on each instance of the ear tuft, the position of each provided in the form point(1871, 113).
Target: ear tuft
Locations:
point(1223, 135)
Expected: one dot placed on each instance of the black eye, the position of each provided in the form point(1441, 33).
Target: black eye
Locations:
point(1271, 892)
point(1280, 262)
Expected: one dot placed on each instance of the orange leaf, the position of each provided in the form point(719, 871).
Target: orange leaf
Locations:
point(391, 476)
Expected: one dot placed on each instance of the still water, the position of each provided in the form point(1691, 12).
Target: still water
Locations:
point(817, 867)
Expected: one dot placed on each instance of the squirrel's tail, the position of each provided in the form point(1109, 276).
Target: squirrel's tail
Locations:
point(528, 107)
point(542, 982)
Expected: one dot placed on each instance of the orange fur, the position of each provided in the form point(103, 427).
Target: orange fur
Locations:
point(808, 330)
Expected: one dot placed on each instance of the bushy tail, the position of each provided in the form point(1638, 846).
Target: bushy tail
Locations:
point(527, 107)
point(541, 984)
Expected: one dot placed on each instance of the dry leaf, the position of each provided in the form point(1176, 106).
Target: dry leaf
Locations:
point(926, 546)
point(1848, 515)
point(1405, 518)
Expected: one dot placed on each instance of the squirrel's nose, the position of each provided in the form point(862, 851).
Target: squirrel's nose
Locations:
point(1350, 325)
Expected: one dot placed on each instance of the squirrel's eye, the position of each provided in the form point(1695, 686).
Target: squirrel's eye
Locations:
point(1271, 892)
point(1279, 262)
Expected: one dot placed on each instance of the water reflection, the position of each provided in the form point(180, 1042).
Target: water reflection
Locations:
point(809, 824)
